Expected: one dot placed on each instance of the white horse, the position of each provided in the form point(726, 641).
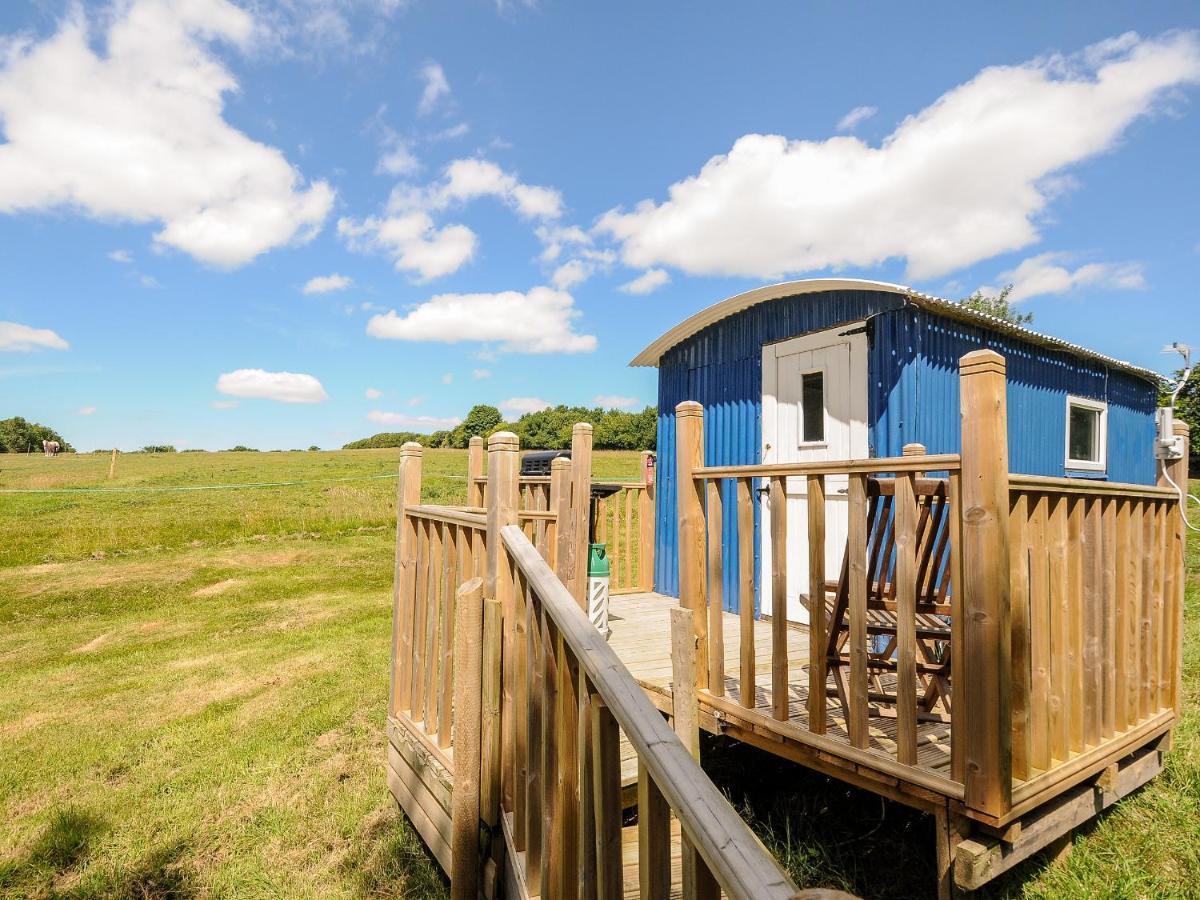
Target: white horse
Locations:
point(51, 448)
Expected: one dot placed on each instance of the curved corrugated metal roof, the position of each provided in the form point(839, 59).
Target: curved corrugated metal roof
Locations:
point(949, 308)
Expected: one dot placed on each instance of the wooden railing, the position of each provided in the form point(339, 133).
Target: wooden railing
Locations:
point(1095, 572)
point(1037, 619)
point(884, 587)
point(625, 523)
point(572, 700)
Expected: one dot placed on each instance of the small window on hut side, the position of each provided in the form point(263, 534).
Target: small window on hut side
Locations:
point(812, 407)
point(1087, 439)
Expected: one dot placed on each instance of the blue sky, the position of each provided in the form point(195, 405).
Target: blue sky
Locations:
point(516, 197)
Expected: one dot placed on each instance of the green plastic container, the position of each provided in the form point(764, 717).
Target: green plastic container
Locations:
point(598, 561)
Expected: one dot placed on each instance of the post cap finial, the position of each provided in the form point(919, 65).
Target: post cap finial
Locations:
point(913, 449)
point(560, 462)
point(980, 361)
point(582, 428)
point(475, 441)
point(411, 448)
point(689, 408)
point(503, 440)
point(1181, 427)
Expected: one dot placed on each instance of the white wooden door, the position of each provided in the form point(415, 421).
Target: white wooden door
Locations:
point(814, 409)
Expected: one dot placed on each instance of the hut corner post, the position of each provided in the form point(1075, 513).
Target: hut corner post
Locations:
point(693, 594)
point(984, 704)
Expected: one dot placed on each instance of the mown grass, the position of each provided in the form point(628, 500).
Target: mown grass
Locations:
point(192, 691)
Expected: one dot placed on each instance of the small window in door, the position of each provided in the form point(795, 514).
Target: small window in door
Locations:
point(812, 407)
point(1087, 440)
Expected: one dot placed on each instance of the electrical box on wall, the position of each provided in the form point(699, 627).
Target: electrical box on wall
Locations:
point(1167, 445)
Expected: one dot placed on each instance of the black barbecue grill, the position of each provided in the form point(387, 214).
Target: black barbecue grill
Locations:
point(538, 463)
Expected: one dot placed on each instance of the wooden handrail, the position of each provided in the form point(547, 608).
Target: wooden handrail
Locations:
point(1088, 486)
point(453, 515)
point(944, 462)
point(742, 865)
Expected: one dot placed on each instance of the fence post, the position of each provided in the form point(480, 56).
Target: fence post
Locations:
point(987, 658)
point(646, 522)
point(560, 505)
point(1177, 471)
point(689, 455)
point(468, 691)
point(404, 577)
point(502, 511)
point(475, 471)
point(581, 498)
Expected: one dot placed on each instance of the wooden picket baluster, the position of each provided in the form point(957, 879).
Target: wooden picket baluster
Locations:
point(627, 547)
point(906, 618)
point(745, 526)
point(606, 779)
point(654, 839)
point(468, 691)
point(779, 648)
point(818, 663)
point(1075, 598)
point(446, 670)
point(1019, 577)
point(1108, 575)
point(1038, 635)
point(428, 597)
point(534, 787)
point(566, 742)
point(856, 715)
point(1060, 634)
point(716, 591)
point(552, 862)
point(960, 715)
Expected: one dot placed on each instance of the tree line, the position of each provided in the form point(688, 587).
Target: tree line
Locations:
point(547, 429)
point(18, 435)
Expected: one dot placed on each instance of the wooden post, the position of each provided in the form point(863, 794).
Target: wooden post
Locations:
point(490, 679)
point(468, 695)
point(646, 523)
point(112, 465)
point(689, 455)
point(408, 493)
point(986, 695)
point(475, 471)
point(581, 499)
point(560, 504)
point(818, 675)
point(502, 511)
point(1177, 471)
point(697, 879)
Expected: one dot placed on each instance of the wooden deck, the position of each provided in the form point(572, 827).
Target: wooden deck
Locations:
point(641, 637)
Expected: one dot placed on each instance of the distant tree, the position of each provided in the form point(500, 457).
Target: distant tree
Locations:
point(481, 421)
point(999, 306)
point(314, 447)
point(1187, 409)
point(158, 448)
point(241, 448)
point(18, 435)
point(388, 439)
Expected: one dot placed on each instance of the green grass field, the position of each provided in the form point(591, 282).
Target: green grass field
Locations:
point(192, 696)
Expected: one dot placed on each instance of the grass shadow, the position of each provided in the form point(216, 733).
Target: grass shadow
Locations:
point(62, 846)
point(388, 859)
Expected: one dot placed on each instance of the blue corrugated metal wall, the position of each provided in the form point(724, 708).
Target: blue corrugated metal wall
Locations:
point(913, 396)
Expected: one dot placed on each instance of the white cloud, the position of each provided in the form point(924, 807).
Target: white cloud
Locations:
point(436, 87)
point(324, 284)
point(448, 378)
point(224, 404)
point(21, 338)
point(480, 374)
point(149, 281)
point(1045, 274)
point(555, 238)
point(614, 401)
point(416, 423)
point(121, 256)
point(373, 393)
point(397, 159)
point(518, 406)
point(965, 179)
point(137, 134)
point(416, 401)
point(466, 179)
point(539, 321)
point(648, 282)
point(286, 387)
point(449, 134)
point(856, 116)
point(85, 410)
point(413, 242)
point(569, 274)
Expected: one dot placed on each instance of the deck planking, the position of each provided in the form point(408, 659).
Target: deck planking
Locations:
point(641, 637)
